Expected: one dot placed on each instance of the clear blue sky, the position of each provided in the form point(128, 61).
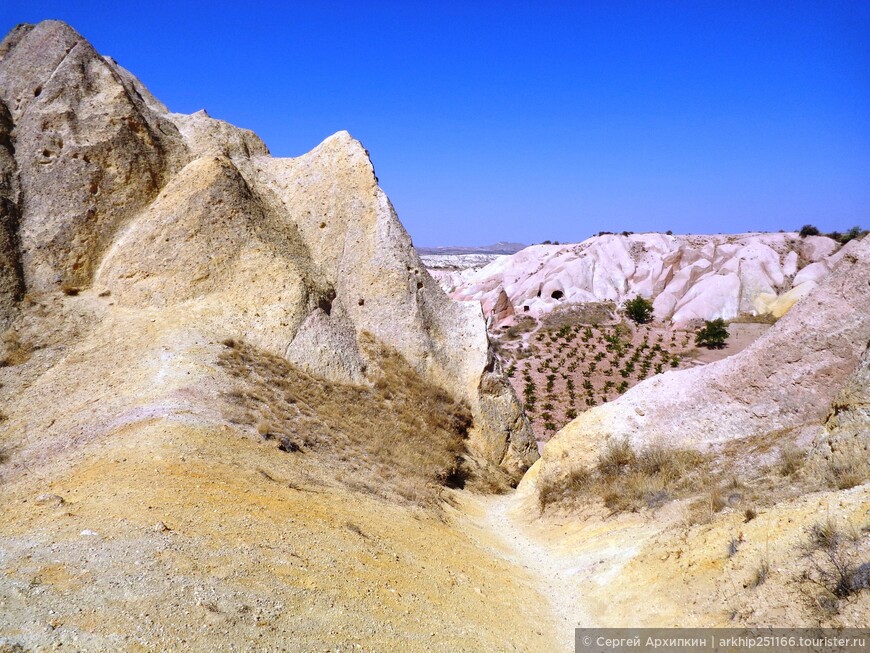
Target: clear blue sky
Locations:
point(530, 120)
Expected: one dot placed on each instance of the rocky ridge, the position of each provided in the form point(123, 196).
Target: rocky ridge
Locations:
point(785, 382)
point(107, 192)
point(687, 277)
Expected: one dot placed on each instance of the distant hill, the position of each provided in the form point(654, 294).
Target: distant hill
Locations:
point(497, 248)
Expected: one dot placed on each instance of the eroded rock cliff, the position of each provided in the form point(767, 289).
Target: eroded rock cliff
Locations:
point(104, 192)
point(784, 382)
point(687, 277)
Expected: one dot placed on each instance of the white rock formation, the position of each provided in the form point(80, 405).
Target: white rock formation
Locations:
point(688, 277)
point(787, 379)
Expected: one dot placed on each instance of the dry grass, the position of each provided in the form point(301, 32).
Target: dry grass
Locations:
point(759, 576)
point(749, 318)
point(592, 313)
point(835, 566)
point(746, 475)
point(791, 460)
point(399, 438)
point(749, 514)
point(552, 490)
point(712, 500)
point(523, 324)
point(626, 480)
point(15, 352)
point(776, 469)
point(848, 474)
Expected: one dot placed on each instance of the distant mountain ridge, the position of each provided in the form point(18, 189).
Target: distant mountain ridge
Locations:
point(497, 248)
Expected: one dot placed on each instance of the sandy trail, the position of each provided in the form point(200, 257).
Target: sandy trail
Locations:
point(572, 562)
point(556, 575)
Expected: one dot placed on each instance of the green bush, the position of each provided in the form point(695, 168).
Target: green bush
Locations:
point(808, 230)
point(639, 309)
point(713, 334)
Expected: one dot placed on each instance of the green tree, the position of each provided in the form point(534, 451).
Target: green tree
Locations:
point(853, 233)
point(713, 334)
point(808, 230)
point(639, 309)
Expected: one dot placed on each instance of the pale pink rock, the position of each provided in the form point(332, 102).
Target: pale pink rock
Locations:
point(787, 379)
point(687, 277)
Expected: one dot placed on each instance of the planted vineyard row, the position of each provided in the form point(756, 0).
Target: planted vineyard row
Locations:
point(559, 372)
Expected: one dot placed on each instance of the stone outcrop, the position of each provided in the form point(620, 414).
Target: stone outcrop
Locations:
point(103, 189)
point(501, 311)
point(90, 151)
point(787, 379)
point(11, 277)
point(687, 277)
point(844, 442)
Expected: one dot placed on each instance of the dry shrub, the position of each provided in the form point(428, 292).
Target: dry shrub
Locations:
point(557, 489)
point(791, 459)
point(626, 480)
point(834, 568)
point(760, 574)
point(523, 324)
point(15, 352)
point(399, 438)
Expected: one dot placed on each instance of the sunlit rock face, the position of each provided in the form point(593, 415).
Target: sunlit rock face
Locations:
point(103, 190)
point(809, 369)
point(687, 277)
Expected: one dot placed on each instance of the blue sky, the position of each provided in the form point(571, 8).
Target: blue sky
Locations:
point(528, 121)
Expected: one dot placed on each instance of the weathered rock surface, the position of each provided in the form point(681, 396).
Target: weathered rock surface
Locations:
point(90, 151)
point(688, 277)
point(11, 277)
point(102, 188)
point(787, 379)
point(845, 441)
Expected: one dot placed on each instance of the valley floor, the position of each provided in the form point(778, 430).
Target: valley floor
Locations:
point(189, 539)
point(652, 569)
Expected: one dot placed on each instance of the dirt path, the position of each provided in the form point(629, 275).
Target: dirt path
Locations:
point(556, 574)
point(573, 562)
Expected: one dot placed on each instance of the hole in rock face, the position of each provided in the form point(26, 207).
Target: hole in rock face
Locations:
point(557, 294)
point(419, 285)
point(361, 301)
point(325, 303)
point(37, 91)
point(525, 309)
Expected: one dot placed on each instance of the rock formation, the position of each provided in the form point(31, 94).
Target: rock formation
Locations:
point(688, 277)
point(104, 191)
point(786, 380)
point(844, 443)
